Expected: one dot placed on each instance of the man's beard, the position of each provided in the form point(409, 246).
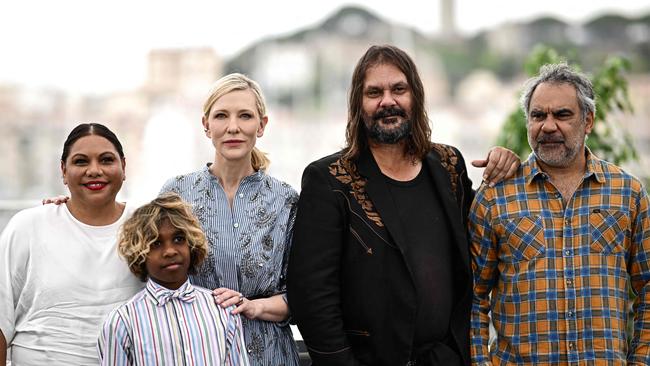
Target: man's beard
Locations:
point(561, 156)
point(379, 133)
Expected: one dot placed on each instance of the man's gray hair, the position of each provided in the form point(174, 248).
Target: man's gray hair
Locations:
point(561, 74)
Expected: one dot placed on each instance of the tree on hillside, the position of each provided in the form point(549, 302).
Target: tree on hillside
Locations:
point(608, 140)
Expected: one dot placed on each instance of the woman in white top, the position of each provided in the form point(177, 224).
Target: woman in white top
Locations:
point(59, 270)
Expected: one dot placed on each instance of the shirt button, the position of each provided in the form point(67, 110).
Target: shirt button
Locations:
point(569, 282)
point(572, 345)
point(261, 264)
point(570, 314)
point(241, 195)
point(567, 252)
point(236, 225)
point(558, 195)
point(567, 221)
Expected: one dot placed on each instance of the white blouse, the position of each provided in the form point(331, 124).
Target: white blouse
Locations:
point(58, 279)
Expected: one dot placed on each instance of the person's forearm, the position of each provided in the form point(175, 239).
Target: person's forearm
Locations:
point(274, 309)
point(3, 349)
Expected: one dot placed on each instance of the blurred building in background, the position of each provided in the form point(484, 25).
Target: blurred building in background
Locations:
point(471, 83)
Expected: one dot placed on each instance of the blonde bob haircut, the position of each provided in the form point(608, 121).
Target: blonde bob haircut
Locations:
point(234, 82)
point(141, 230)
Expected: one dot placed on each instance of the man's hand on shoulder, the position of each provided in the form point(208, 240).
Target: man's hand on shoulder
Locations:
point(500, 164)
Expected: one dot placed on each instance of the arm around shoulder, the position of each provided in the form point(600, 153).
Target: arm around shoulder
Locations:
point(453, 161)
point(500, 164)
point(465, 194)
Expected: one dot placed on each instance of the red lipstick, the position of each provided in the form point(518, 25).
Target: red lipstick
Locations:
point(95, 185)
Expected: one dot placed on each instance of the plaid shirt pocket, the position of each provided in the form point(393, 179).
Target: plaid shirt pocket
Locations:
point(525, 238)
point(609, 228)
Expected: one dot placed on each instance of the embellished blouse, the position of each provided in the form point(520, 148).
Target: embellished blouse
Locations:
point(248, 249)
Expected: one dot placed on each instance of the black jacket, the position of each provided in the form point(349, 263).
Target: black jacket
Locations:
point(350, 288)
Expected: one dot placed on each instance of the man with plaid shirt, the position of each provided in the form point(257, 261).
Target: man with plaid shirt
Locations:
point(558, 246)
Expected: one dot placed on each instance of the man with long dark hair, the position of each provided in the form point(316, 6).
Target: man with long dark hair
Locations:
point(379, 268)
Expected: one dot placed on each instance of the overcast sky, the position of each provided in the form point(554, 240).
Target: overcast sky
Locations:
point(99, 46)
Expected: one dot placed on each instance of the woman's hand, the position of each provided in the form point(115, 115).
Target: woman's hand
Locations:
point(56, 200)
point(226, 297)
point(252, 309)
point(273, 309)
point(499, 164)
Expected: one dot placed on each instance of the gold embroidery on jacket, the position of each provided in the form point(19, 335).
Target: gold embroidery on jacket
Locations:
point(448, 159)
point(347, 174)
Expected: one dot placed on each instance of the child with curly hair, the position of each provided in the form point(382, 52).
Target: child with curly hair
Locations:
point(169, 322)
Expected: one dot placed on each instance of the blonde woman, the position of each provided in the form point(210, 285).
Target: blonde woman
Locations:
point(247, 217)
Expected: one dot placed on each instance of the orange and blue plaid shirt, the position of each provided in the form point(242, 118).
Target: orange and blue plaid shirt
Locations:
point(559, 275)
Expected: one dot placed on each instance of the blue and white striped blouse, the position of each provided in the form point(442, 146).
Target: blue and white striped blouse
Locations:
point(159, 326)
point(249, 248)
